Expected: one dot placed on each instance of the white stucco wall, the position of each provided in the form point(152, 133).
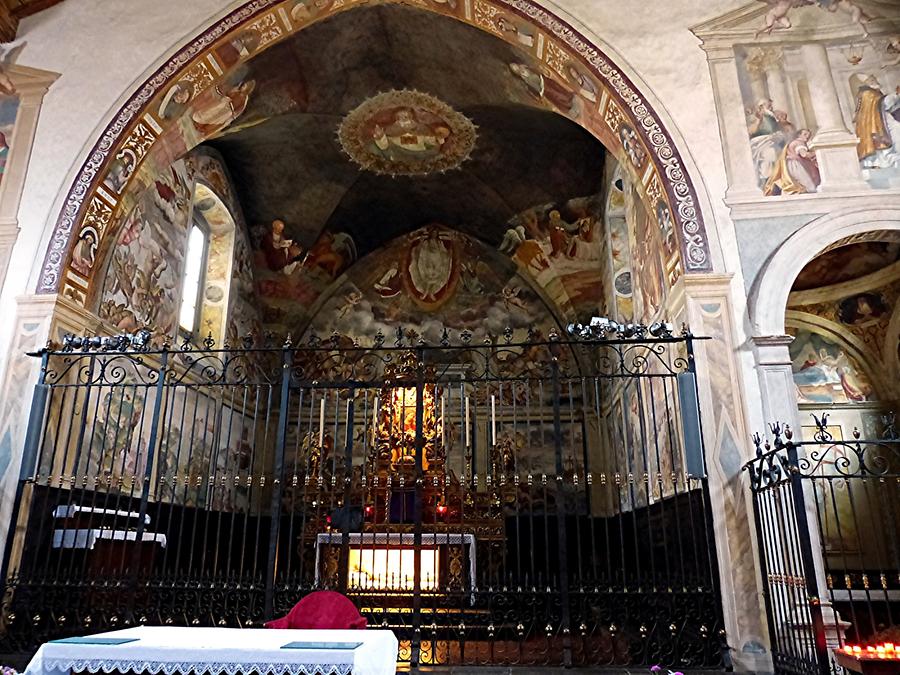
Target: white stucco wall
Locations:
point(103, 49)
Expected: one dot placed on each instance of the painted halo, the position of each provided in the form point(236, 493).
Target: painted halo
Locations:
point(403, 132)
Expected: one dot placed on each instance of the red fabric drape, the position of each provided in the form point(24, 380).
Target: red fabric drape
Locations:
point(323, 610)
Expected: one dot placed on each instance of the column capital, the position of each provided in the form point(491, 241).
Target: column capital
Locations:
point(773, 351)
point(772, 340)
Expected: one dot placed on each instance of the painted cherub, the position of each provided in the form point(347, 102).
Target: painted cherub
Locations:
point(8, 57)
point(856, 13)
point(893, 48)
point(777, 16)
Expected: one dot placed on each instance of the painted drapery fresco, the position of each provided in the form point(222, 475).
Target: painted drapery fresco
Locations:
point(846, 263)
point(143, 281)
point(825, 373)
point(406, 132)
point(222, 92)
point(561, 247)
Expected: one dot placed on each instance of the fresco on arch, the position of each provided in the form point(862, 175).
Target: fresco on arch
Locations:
point(825, 373)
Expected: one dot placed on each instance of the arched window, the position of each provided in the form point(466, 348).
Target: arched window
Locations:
point(195, 264)
point(208, 262)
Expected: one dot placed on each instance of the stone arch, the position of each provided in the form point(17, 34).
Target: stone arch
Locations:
point(769, 296)
point(610, 106)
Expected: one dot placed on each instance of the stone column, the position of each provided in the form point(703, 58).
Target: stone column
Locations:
point(776, 379)
point(779, 91)
point(709, 311)
point(742, 180)
point(834, 144)
point(779, 404)
point(38, 318)
point(759, 86)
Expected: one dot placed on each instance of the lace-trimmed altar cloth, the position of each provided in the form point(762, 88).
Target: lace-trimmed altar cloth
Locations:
point(170, 650)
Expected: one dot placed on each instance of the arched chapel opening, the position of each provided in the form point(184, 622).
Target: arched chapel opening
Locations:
point(842, 316)
point(378, 317)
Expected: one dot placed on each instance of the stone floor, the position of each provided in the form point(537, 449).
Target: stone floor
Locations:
point(532, 670)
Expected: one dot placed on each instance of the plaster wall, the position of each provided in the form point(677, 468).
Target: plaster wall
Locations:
point(104, 49)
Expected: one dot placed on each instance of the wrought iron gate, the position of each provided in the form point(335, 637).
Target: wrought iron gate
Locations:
point(500, 503)
point(826, 512)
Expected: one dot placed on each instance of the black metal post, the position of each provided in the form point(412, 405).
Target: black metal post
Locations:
point(287, 355)
point(344, 560)
point(762, 547)
point(148, 474)
point(565, 619)
point(807, 556)
point(416, 645)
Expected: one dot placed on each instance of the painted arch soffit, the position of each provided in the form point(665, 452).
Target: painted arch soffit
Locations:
point(608, 105)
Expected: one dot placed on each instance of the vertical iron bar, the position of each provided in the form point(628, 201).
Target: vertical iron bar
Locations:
point(807, 556)
point(343, 564)
point(277, 471)
point(416, 644)
point(33, 437)
point(561, 519)
point(148, 473)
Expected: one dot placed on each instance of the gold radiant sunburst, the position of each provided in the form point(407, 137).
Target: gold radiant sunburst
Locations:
point(403, 132)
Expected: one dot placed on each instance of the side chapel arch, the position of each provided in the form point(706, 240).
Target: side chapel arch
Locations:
point(769, 296)
point(141, 141)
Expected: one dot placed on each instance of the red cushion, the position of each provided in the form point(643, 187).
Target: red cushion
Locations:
point(327, 610)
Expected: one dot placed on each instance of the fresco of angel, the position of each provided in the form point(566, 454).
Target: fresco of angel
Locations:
point(777, 16)
point(779, 10)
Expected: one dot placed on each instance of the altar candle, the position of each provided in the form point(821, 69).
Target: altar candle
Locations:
point(375, 422)
point(322, 423)
point(493, 420)
point(468, 440)
point(443, 422)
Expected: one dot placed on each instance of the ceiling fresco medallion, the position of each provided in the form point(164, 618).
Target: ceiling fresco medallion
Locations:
point(406, 133)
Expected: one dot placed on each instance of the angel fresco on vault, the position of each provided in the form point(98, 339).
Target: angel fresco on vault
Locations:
point(778, 15)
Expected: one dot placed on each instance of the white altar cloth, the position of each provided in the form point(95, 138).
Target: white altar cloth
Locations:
point(191, 651)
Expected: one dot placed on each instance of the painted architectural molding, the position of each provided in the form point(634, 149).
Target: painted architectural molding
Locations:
point(602, 99)
point(22, 109)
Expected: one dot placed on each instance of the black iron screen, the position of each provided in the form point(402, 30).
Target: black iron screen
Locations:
point(826, 513)
point(535, 503)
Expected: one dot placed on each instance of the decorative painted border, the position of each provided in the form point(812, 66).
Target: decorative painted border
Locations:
point(89, 176)
point(88, 195)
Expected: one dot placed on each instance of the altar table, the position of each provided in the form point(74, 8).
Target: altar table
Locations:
point(192, 651)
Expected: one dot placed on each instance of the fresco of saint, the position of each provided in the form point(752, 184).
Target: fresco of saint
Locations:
point(877, 123)
point(797, 171)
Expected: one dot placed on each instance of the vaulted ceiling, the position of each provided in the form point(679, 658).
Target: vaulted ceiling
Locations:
point(287, 162)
